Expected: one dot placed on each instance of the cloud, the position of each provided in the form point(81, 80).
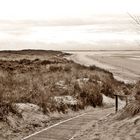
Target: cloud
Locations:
point(55, 9)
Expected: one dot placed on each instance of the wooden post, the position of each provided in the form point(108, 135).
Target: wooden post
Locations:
point(116, 100)
point(116, 103)
point(126, 100)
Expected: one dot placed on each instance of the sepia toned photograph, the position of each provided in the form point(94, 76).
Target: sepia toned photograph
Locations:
point(69, 69)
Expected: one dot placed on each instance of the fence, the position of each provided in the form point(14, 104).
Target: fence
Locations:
point(116, 100)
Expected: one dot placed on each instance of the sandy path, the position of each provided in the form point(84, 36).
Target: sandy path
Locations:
point(67, 129)
point(110, 128)
point(126, 68)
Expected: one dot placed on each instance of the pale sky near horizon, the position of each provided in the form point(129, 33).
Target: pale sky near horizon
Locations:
point(35, 24)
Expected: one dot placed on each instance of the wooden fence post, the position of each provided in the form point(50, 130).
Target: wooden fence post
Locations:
point(116, 100)
point(116, 103)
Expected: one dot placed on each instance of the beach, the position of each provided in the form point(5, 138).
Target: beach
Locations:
point(124, 65)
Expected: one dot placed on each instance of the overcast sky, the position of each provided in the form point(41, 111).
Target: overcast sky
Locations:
point(54, 24)
point(55, 9)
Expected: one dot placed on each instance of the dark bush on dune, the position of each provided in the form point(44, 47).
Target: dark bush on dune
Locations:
point(89, 94)
point(79, 67)
point(54, 68)
point(46, 62)
point(67, 68)
point(107, 90)
point(93, 67)
point(25, 61)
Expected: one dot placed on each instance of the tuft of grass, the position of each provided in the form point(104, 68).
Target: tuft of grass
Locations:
point(133, 108)
point(55, 68)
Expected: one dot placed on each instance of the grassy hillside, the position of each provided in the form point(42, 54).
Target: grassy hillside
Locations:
point(48, 80)
point(38, 80)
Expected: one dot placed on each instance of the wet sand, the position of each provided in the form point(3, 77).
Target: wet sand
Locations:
point(125, 65)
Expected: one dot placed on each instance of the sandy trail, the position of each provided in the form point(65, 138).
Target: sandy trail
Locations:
point(68, 129)
point(125, 67)
point(109, 128)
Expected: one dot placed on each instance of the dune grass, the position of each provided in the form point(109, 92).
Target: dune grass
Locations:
point(39, 79)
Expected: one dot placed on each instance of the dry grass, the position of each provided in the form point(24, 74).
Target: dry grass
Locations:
point(39, 77)
point(133, 108)
point(34, 81)
point(89, 94)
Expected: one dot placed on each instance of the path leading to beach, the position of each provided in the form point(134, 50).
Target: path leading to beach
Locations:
point(67, 130)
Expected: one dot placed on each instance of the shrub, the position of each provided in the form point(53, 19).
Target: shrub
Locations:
point(67, 68)
point(45, 62)
point(133, 108)
point(54, 68)
point(137, 96)
point(25, 61)
point(93, 67)
point(107, 90)
point(89, 94)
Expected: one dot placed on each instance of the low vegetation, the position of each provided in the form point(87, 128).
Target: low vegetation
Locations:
point(35, 81)
point(40, 77)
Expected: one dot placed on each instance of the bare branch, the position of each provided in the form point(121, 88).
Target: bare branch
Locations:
point(135, 18)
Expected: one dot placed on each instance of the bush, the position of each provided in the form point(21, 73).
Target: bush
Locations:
point(45, 62)
point(54, 68)
point(89, 94)
point(67, 68)
point(133, 108)
point(107, 90)
point(25, 61)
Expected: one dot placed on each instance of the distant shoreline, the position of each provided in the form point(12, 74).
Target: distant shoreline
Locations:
point(123, 68)
point(63, 50)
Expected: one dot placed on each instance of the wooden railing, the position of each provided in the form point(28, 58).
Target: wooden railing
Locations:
point(116, 100)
